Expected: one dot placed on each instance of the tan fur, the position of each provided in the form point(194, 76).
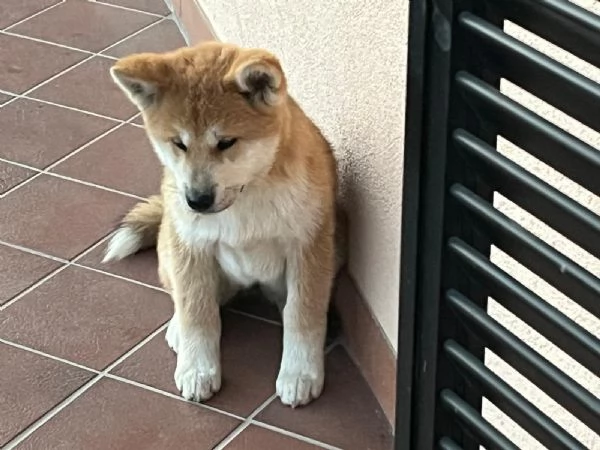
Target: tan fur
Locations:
point(145, 220)
point(273, 219)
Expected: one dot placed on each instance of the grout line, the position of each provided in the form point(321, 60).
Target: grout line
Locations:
point(83, 61)
point(135, 33)
point(53, 77)
point(99, 186)
point(171, 395)
point(92, 248)
point(74, 262)
point(84, 146)
point(252, 316)
point(245, 424)
point(55, 163)
point(33, 15)
point(297, 436)
point(231, 436)
point(135, 348)
point(22, 183)
point(50, 414)
point(60, 105)
point(44, 279)
point(65, 177)
point(47, 355)
point(42, 41)
point(23, 293)
point(120, 277)
point(72, 108)
point(47, 169)
point(34, 252)
point(67, 401)
point(148, 13)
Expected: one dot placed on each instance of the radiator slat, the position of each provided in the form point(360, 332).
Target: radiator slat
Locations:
point(513, 403)
point(530, 364)
point(490, 437)
point(544, 140)
point(535, 72)
point(547, 262)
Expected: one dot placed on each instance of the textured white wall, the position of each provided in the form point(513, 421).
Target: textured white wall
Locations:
point(345, 61)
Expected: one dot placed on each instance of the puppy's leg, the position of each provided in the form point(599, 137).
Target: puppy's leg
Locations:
point(195, 330)
point(309, 277)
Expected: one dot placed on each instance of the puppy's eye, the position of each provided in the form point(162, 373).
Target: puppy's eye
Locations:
point(180, 145)
point(224, 144)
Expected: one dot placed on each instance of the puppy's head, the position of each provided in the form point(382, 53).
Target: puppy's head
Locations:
point(214, 114)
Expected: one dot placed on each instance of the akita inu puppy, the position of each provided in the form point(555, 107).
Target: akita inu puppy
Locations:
point(248, 196)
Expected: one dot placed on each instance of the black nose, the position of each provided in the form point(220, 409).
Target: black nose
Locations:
point(200, 201)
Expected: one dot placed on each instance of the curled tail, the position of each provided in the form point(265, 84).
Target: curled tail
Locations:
point(138, 230)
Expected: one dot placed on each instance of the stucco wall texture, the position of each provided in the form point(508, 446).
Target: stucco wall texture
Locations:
point(346, 63)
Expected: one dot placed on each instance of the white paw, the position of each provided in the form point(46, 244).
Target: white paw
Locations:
point(197, 382)
point(299, 386)
point(198, 372)
point(172, 335)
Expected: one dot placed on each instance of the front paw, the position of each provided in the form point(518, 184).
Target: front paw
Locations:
point(197, 379)
point(299, 385)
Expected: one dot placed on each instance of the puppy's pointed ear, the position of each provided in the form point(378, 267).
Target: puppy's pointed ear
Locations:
point(142, 77)
point(257, 75)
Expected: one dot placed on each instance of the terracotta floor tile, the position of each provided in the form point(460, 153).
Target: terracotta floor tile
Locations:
point(254, 437)
point(142, 266)
point(122, 160)
point(85, 317)
point(25, 63)
point(250, 356)
point(347, 414)
point(20, 270)
point(58, 217)
point(151, 6)
point(115, 415)
point(162, 37)
point(4, 98)
point(11, 175)
point(11, 11)
point(89, 87)
point(31, 385)
point(38, 134)
point(86, 25)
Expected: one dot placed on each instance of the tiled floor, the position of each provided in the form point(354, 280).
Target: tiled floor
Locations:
point(83, 361)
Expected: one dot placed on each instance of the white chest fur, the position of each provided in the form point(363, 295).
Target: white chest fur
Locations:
point(262, 262)
point(251, 238)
